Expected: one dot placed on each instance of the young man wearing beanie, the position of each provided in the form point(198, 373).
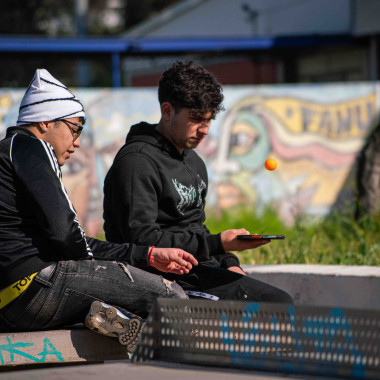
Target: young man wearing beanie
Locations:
point(154, 193)
point(51, 273)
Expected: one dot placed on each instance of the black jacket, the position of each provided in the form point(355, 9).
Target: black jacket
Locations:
point(154, 195)
point(38, 223)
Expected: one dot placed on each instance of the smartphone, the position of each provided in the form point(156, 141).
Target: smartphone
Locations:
point(260, 237)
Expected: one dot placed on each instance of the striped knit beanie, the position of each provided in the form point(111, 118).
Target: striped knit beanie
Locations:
point(47, 99)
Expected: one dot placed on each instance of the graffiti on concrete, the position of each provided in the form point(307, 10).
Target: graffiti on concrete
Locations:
point(315, 338)
point(18, 348)
point(314, 133)
point(315, 145)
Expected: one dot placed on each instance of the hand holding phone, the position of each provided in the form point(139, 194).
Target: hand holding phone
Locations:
point(261, 237)
point(231, 241)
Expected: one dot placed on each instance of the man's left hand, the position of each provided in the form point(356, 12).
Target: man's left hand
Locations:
point(230, 241)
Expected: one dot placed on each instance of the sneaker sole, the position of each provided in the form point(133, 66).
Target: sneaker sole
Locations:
point(107, 321)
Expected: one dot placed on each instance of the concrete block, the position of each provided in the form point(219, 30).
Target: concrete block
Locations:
point(324, 285)
point(58, 346)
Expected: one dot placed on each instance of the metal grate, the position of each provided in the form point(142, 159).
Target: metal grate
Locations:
point(297, 339)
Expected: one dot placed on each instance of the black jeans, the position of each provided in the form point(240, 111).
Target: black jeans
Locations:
point(228, 285)
point(65, 297)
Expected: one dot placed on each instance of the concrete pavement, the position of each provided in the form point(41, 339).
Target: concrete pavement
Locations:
point(118, 370)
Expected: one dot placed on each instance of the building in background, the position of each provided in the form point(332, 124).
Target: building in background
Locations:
point(241, 41)
point(292, 41)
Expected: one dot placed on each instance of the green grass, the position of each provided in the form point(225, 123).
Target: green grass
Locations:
point(335, 240)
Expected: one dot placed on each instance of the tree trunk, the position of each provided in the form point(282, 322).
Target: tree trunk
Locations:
point(368, 176)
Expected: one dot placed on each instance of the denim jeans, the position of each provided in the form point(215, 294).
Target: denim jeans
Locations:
point(228, 285)
point(66, 297)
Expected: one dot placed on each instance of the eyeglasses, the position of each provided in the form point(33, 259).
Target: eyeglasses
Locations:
point(75, 132)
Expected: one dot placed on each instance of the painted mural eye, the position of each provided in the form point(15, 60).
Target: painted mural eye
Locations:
point(243, 137)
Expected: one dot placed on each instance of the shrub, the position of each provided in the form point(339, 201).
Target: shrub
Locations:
point(333, 240)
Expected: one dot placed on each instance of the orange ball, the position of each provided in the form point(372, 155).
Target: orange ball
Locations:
point(270, 164)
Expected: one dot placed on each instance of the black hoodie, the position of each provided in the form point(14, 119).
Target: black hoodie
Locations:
point(153, 195)
point(38, 222)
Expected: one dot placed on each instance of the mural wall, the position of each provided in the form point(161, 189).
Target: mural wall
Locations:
point(313, 131)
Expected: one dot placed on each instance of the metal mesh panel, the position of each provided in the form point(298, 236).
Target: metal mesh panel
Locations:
point(298, 339)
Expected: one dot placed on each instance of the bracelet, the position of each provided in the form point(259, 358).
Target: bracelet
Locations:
point(150, 255)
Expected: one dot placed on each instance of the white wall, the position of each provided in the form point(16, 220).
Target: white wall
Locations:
point(343, 286)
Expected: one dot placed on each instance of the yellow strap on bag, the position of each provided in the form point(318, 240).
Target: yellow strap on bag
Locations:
point(13, 291)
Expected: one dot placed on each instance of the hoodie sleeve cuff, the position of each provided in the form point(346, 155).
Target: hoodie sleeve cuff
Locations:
point(140, 256)
point(230, 260)
point(215, 246)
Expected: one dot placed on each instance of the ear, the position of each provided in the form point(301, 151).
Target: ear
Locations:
point(166, 111)
point(42, 126)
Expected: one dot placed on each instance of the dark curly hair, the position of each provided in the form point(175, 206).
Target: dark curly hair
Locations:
point(188, 85)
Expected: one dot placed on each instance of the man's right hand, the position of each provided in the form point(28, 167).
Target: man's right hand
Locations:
point(232, 243)
point(173, 260)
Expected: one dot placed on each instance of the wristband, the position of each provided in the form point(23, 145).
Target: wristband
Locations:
point(150, 255)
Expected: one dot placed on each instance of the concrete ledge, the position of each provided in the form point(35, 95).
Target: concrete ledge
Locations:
point(324, 285)
point(58, 346)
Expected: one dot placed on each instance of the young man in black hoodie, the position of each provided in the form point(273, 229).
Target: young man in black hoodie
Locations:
point(155, 191)
point(51, 273)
